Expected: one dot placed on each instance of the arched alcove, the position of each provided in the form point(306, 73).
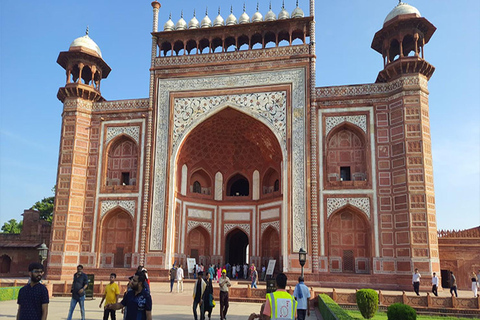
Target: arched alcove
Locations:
point(200, 182)
point(236, 246)
point(5, 263)
point(270, 246)
point(118, 237)
point(238, 186)
point(198, 244)
point(122, 162)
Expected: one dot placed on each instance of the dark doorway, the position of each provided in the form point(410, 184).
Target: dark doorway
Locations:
point(445, 274)
point(5, 263)
point(119, 255)
point(238, 186)
point(236, 247)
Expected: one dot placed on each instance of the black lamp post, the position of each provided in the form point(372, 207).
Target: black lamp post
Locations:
point(302, 257)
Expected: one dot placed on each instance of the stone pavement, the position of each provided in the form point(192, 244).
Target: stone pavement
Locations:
point(166, 306)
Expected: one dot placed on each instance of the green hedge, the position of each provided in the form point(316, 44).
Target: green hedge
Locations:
point(367, 302)
point(400, 311)
point(9, 293)
point(330, 310)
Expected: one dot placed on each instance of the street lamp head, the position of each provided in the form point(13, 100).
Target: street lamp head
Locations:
point(302, 256)
point(42, 251)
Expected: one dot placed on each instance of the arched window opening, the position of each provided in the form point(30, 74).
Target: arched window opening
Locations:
point(204, 46)
point(346, 155)
point(238, 186)
point(122, 161)
point(201, 182)
point(394, 52)
point(217, 45)
point(243, 42)
point(298, 37)
point(256, 41)
point(283, 39)
point(197, 188)
point(191, 45)
point(271, 181)
point(75, 73)
point(178, 48)
point(86, 75)
point(270, 40)
point(5, 263)
point(408, 45)
point(165, 49)
point(230, 44)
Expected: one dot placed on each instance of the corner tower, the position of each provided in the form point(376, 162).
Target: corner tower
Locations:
point(85, 68)
point(407, 142)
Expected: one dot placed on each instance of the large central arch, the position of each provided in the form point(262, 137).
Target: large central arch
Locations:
point(226, 167)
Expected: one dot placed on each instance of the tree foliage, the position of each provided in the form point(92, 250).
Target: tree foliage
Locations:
point(367, 302)
point(12, 226)
point(45, 208)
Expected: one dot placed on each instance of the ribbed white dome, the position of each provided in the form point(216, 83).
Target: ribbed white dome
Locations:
point(257, 17)
point(283, 14)
point(86, 42)
point(193, 24)
point(169, 25)
point(206, 22)
point(231, 19)
point(298, 13)
point(270, 16)
point(181, 24)
point(401, 9)
point(218, 22)
point(244, 18)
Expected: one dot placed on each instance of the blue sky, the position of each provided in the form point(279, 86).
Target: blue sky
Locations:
point(32, 34)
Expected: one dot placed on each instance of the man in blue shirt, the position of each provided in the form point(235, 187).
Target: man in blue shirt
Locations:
point(302, 295)
point(33, 297)
point(137, 301)
point(79, 285)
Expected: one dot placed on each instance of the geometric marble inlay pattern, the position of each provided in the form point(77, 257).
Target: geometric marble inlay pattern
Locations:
point(274, 224)
point(193, 224)
point(361, 203)
point(128, 205)
point(133, 132)
point(360, 121)
point(245, 227)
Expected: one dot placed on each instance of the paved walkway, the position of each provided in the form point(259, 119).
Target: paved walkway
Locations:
point(166, 306)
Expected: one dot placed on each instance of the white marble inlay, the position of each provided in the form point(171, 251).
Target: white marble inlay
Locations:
point(334, 204)
point(270, 213)
point(128, 205)
point(131, 131)
point(244, 227)
point(240, 216)
point(197, 213)
point(360, 121)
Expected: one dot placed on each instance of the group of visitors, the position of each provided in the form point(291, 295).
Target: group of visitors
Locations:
point(452, 283)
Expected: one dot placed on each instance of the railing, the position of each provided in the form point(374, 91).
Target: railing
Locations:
point(469, 233)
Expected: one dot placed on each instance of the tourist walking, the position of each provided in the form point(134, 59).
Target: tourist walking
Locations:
point(254, 275)
point(219, 274)
point(416, 282)
point(79, 285)
point(198, 290)
point(224, 284)
point(474, 284)
point(180, 277)
point(280, 304)
point(245, 271)
point(33, 297)
point(211, 271)
point(302, 295)
point(137, 302)
point(173, 274)
point(207, 298)
point(453, 284)
point(435, 284)
point(110, 297)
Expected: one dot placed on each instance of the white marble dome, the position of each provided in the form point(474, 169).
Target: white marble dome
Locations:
point(401, 9)
point(257, 17)
point(231, 20)
point(86, 42)
point(193, 24)
point(283, 14)
point(169, 25)
point(218, 22)
point(181, 24)
point(298, 13)
point(244, 18)
point(270, 16)
point(206, 22)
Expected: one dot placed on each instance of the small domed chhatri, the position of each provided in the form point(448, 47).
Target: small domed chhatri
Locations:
point(257, 16)
point(284, 13)
point(218, 22)
point(270, 16)
point(181, 24)
point(193, 24)
point(297, 12)
point(231, 19)
point(206, 22)
point(86, 42)
point(244, 18)
point(169, 25)
point(401, 9)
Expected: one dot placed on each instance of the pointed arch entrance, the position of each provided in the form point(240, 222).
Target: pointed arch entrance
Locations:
point(198, 245)
point(236, 247)
point(349, 241)
point(5, 263)
point(271, 247)
point(117, 238)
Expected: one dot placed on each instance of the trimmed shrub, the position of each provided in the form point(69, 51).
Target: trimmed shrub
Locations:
point(367, 302)
point(400, 311)
point(330, 310)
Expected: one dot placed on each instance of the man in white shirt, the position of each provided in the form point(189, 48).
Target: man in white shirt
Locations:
point(179, 278)
point(435, 284)
point(416, 282)
point(302, 295)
